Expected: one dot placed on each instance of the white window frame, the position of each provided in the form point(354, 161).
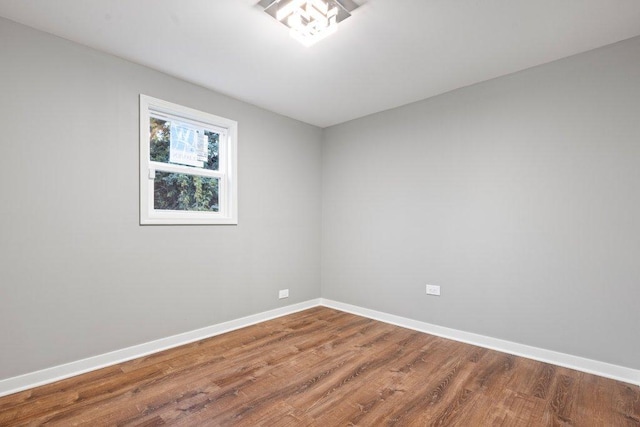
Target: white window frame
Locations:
point(226, 173)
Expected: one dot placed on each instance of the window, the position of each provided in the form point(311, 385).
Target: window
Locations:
point(187, 165)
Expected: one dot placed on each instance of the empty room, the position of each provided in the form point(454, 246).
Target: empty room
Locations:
point(320, 213)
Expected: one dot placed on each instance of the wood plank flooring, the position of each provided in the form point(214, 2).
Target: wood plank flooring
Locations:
point(323, 367)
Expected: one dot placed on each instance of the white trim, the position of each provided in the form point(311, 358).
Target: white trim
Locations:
point(60, 372)
point(607, 370)
point(57, 373)
point(187, 170)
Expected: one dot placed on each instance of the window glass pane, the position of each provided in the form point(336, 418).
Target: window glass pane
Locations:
point(183, 144)
point(182, 192)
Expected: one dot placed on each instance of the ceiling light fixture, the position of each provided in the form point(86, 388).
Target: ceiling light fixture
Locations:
point(309, 21)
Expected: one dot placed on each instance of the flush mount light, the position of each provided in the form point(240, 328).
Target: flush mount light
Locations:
point(309, 20)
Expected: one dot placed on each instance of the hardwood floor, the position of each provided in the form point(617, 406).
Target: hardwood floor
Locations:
point(323, 367)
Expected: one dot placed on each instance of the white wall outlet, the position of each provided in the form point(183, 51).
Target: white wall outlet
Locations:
point(433, 290)
point(283, 293)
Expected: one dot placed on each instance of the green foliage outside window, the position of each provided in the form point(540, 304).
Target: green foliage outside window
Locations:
point(179, 191)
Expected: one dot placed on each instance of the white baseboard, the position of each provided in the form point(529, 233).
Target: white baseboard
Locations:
point(595, 367)
point(57, 373)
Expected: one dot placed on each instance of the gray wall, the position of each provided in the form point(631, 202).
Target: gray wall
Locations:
point(519, 196)
point(78, 275)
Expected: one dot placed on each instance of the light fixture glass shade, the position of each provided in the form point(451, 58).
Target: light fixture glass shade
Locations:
point(309, 20)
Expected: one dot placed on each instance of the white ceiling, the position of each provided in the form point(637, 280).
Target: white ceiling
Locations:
point(388, 53)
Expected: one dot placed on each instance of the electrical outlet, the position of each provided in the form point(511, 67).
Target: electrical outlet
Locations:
point(283, 293)
point(433, 290)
